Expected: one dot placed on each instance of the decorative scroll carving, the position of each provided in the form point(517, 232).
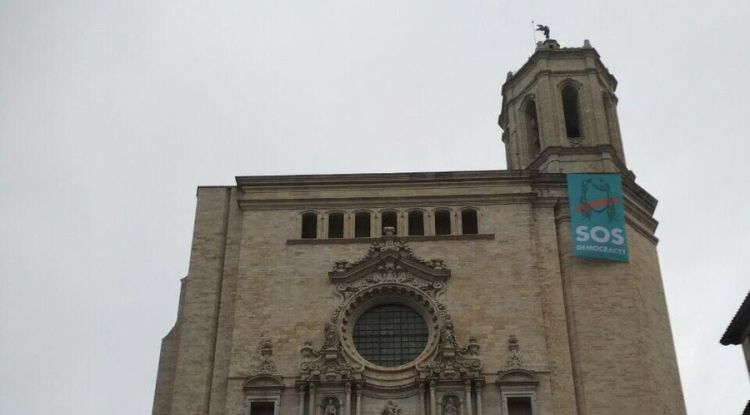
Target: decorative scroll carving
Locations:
point(452, 362)
point(390, 270)
point(263, 375)
point(391, 409)
point(265, 364)
point(514, 360)
point(515, 375)
point(328, 363)
point(391, 260)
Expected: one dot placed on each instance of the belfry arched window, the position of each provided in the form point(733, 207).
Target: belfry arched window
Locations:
point(571, 110)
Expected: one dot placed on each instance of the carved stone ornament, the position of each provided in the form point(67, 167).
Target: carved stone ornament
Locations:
point(450, 407)
point(514, 360)
point(452, 362)
point(265, 364)
point(330, 406)
point(515, 373)
point(391, 409)
point(263, 375)
point(389, 272)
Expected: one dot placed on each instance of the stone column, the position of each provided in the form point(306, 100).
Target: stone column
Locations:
point(420, 410)
point(478, 390)
point(358, 397)
point(348, 400)
point(467, 388)
point(301, 391)
point(454, 222)
point(433, 404)
point(311, 411)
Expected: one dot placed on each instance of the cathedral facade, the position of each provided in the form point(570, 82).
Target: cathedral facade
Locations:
point(435, 293)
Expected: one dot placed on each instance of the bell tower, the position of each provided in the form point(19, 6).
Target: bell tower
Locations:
point(559, 113)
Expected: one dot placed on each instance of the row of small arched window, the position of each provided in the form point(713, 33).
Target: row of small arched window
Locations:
point(415, 224)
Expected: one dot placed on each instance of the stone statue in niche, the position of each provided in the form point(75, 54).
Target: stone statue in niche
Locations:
point(391, 409)
point(450, 407)
point(449, 338)
point(330, 408)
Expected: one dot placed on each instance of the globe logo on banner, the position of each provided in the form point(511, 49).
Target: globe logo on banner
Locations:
point(597, 216)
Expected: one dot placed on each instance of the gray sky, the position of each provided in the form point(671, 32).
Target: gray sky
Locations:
point(112, 112)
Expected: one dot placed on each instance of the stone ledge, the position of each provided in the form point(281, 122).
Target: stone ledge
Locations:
point(425, 238)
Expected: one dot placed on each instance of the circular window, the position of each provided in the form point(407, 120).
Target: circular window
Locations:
point(390, 335)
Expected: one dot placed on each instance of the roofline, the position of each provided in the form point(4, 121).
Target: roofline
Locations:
point(540, 53)
point(380, 178)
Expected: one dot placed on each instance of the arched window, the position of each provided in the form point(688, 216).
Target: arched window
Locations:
point(416, 222)
point(389, 219)
point(532, 127)
point(309, 225)
point(362, 225)
point(571, 111)
point(336, 225)
point(442, 222)
point(469, 225)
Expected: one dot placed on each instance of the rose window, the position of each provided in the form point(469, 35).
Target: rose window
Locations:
point(390, 335)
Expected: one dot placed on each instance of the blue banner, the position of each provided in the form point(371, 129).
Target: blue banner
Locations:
point(597, 216)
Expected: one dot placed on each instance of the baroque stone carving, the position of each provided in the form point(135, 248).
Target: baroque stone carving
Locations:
point(265, 364)
point(391, 409)
point(390, 269)
point(327, 363)
point(514, 360)
point(330, 407)
point(453, 362)
point(263, 374)
point(449, 407)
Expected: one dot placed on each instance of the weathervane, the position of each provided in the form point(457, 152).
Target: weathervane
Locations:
point(544, 29)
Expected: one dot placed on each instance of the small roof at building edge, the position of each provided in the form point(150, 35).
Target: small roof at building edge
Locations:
point(739, 325)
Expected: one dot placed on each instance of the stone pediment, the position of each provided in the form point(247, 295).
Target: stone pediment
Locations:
point(516, 377)
point(390, 257)
point(263, 381)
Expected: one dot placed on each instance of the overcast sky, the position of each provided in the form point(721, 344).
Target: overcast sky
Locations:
point(112, 112)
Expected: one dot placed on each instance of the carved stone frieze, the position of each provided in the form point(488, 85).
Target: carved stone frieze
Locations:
point(391, 260)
